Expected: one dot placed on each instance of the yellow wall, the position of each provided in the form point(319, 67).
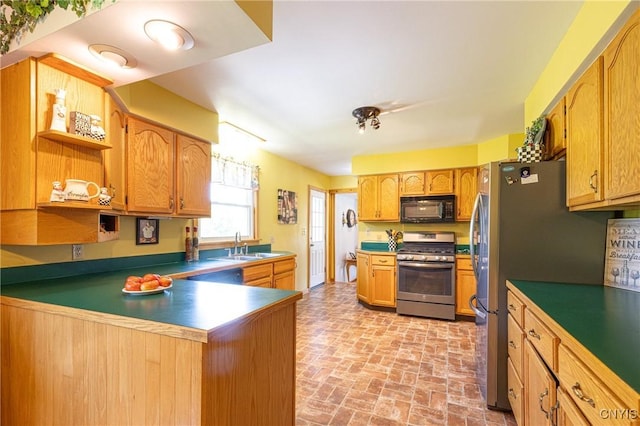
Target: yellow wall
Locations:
point(591, 31)
point(151, 101)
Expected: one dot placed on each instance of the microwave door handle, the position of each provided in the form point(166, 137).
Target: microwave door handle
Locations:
point(475, 220)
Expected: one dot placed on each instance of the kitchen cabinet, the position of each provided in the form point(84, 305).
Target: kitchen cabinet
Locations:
point(466, 188)
point(362, 277)
point(465, 285)
point(556, 134)
point(440, 182)
point(378, 198)
point(584, 138)
point(39, 156)
point(376, 281)
point(284, 276)
point(413, 183)
point(558, 369)
point(621, 115)
point(258, 275)
point(157, 170)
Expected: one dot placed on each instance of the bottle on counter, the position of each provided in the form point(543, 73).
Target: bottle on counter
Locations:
point(194, 242)
point(188, 246)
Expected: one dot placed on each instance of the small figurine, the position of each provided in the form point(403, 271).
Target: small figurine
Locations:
point(97, 132)
point(57, 194)
point(59, 118)
point(104, 199)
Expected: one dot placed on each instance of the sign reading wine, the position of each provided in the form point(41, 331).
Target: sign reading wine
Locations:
point(622, 261)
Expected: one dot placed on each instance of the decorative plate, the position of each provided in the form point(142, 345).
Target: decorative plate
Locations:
point(146, 292)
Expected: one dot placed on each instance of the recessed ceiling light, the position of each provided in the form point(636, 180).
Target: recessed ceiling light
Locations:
point(113, 56)
point(168, 35)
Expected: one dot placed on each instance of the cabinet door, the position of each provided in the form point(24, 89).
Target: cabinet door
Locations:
point(193, 177)
point(412, 183)
point(465, 286)
point(556, 135)
point(115, 172)
point(367, 198)
point(383, 285)
point(362, 284)
point(584, 138)
point(150, 168)
point(388, 200)
point(568, 413)
point(285, 281)
point(541, 389)
point(440, 182)
point(622, 120)
point(466, 187)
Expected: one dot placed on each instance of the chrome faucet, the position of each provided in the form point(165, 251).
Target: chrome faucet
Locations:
point(236, 242)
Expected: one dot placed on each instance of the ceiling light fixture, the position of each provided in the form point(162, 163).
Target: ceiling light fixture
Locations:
point(365, 113)
point(113, 56)
point(168, 35)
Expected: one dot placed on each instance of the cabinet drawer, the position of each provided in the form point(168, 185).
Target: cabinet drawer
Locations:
point(251, 273)
point(379, 259)
point(262, 282)
point(283, 266)
point(516, 308)
point(568, 413)
point(516, 392)
point(463, 263)
point(543, 339)
point(515, 340)
point(590, 394)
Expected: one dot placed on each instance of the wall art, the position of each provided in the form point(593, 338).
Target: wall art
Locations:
point(147, 231)
point(287, 207)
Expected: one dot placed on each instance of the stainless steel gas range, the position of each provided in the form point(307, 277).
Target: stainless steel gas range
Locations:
point(426, 275)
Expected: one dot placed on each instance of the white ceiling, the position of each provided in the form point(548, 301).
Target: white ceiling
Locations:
point(455, 72)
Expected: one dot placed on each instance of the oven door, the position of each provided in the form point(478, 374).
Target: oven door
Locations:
point(426, 282)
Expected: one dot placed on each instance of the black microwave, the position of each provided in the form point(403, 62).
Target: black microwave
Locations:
point(428, 209)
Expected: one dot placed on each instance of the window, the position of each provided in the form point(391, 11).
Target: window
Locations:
point(233, 201)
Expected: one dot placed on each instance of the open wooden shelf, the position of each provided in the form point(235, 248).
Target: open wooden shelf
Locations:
point(75, 205)
point(70, 138)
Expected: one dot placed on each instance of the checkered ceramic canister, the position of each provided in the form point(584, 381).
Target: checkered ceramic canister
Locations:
point(530, 153)
point(392, 244)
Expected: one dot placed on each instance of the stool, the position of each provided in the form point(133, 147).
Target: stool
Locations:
point(347, 264)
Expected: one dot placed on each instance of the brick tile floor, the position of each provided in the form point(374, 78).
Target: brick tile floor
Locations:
point(356, 366)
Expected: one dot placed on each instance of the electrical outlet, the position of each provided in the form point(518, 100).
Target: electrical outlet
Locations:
point(76, 252)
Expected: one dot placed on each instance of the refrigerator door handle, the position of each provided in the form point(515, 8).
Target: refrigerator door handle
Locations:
point(473, 307)
point(472, 229)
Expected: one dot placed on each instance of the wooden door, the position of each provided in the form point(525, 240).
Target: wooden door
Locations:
point(193, 177)
point(556, 135)
point(466, 187)
point(388, 199)
point(440, 182)
point(383, 285)
point(540, 385)
point(622, 120)
point(465, 286)
point(584, 138)
point(412, 183)
point(367, 198)
point(362, 271)
point(150, 168)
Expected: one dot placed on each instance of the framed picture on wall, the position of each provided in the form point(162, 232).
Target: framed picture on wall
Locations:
point(147, 231)
point(287, 207)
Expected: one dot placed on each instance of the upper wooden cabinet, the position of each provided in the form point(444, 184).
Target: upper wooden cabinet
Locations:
point(378, 198)
point(622, 115)
point(466, 188)
point(440, 182)
point(193, 177)
point(556, 135)
point(413, 183)
point(584, 138)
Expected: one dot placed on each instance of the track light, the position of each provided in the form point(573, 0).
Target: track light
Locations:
point(365, 113)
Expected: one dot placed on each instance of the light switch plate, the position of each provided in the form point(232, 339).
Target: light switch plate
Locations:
point(77, 252)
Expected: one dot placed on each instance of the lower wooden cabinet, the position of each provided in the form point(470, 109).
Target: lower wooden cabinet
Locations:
point(567, 413)
point(376, 283)
point(278, 274)
point(540, 385)
point(284, 274)
point(465, 285)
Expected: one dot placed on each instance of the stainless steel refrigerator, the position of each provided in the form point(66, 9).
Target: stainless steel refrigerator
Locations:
point(522, 229)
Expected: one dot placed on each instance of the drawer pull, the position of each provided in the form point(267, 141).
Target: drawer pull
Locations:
point(533, 333)
point(578, 392)
point(540, 399)
point(512, 307)
point(512, 394)
point(513, 345)
point(382, 260)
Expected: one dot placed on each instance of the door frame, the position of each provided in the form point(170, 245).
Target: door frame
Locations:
point(308, 233)
point(331, 229)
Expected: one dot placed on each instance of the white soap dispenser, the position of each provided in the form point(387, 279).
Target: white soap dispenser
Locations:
point(59, 119)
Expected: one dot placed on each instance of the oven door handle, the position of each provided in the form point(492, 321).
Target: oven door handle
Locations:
point(427, 265)
point(474, 308)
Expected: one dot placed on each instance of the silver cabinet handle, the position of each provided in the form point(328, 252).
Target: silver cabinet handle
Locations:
point(594, 175)
point(512, 394)
point(512, 307)
point(577, 391)
point(540, 399)
point(512, 344)
point(533, 333)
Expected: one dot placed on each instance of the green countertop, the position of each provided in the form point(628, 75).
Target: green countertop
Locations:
point(603, 319)
point(194, 304)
